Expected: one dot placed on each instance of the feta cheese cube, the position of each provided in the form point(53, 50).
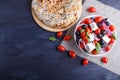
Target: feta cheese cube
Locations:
point(91, 37)
point(93, 26)
point(90, 46)
point(106, 39)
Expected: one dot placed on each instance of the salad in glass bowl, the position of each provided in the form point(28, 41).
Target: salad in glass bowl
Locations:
point(95, 35)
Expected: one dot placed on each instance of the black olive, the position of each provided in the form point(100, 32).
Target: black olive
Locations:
point(103, 32)
point(102, 43)
point(84, 26)
point(99, 35)
point(77, 33)
point(99, 24)
point(107, 23)
point(91, 18)
point(85, 50)
point(106, 19)
point(77, 39)
point(102, 46)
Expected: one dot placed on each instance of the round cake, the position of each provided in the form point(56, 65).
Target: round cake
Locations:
point(56, 15)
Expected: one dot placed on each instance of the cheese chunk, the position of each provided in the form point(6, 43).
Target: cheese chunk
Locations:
point(90, 46)
point(91, 37)
point(93, 26)
point(106, 39)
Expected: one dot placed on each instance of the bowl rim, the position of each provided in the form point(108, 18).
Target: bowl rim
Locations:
point(100, 54)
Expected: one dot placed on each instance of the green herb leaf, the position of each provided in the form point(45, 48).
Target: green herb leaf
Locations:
point(87, 34)
point(88, 39)
point(113, 35)
point(82, 30)
point(98, 47)
point(52, 39)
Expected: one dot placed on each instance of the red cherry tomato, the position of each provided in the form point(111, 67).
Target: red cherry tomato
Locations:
point(85, 39)
point(112, 28)
point(94, 52)
point(102, 28)
point(95, 42)
point(67, 37)
point(88, 30)
point(91, 9)
point(61, 48)
point(83, 34)
point(108, 48)
point(85, 61)
point(111, 41)
point(104, 59)
point(98, 19)
point(97, 31)
point(72, 54)
point(81, 45)
point(87, 21)
point(59, 34)
point(79, 28)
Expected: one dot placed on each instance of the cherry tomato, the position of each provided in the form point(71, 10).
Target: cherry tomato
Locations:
point(61, 48)
point(91, 29)
point(81, 45)
point(83, 34)
point(94, 52)
point(112, 28)
point(72, 54)
point(87, 21)
point(88, 30)
point(104, 59)
point(95, 42)
point(59, 34)
point(67, 37)
point(79, 28)
point(102, 28)
point(97, 31)
point(91, 9)
point(85, 61)
point(108, 48)
point(85, 39)
point(111, 41)
point(98, 19)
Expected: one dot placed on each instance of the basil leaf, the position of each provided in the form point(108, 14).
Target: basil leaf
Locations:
point(82, 30)
point(88, 39)
point(52, 39)
point(98, 47)
point(87, 34)
point(113, 35)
